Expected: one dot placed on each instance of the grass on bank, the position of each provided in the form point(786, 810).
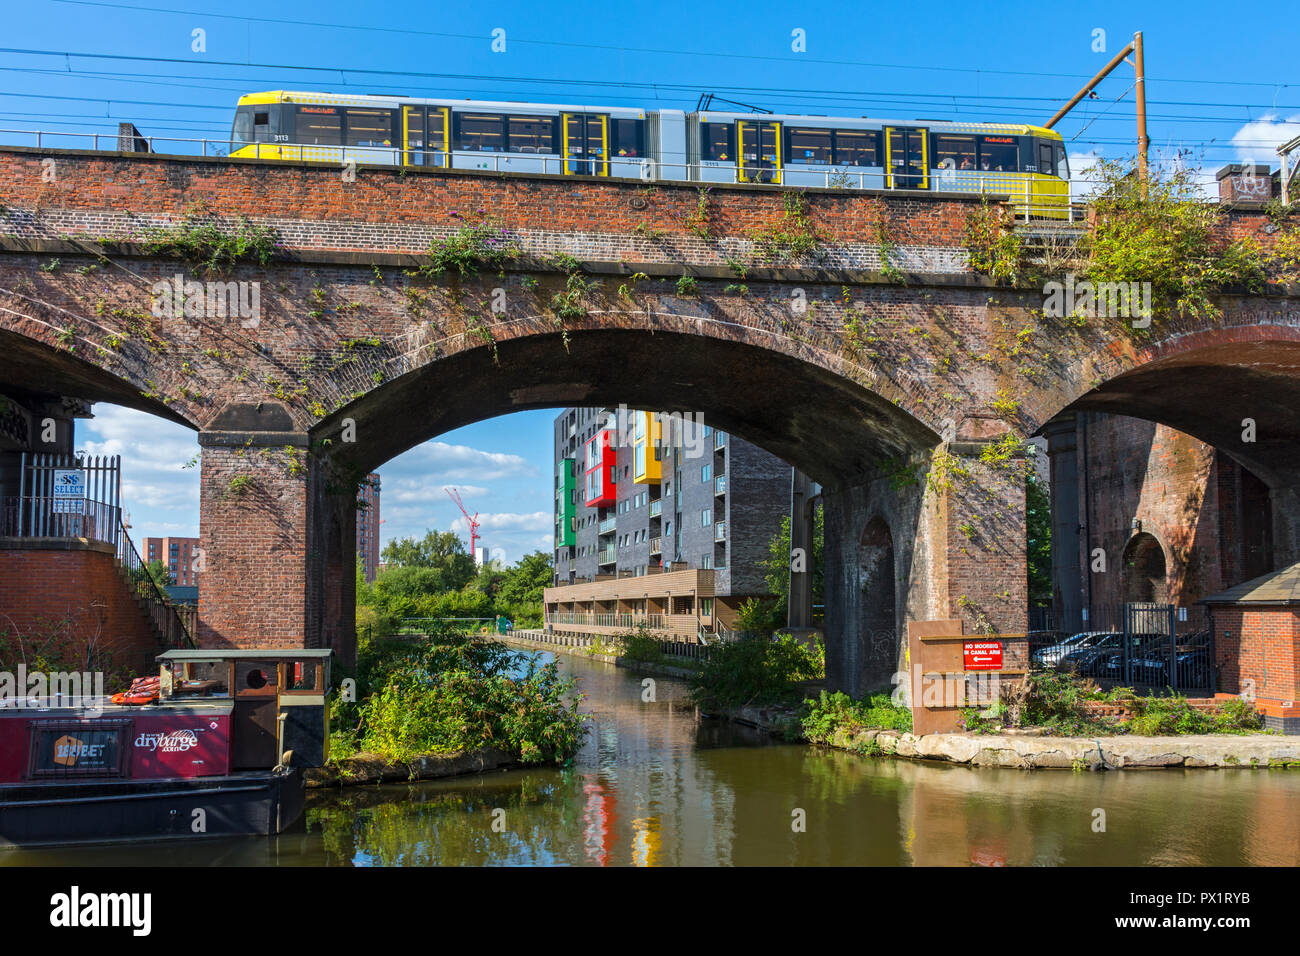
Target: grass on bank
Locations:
point(449, 694)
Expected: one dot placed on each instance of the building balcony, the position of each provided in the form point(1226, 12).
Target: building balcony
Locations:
point(720, 531)
point(608, 525)
point(720, 485)
point(606, 556)
point(656, 508)
point(655, 546)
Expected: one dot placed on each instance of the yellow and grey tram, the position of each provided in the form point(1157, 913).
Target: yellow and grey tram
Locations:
point(1027, 163)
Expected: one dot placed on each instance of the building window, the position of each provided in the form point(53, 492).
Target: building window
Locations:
point(706, 517)
point(706, 562)
point(706, 473)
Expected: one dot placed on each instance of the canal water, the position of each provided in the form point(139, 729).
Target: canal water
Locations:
point(657, 785)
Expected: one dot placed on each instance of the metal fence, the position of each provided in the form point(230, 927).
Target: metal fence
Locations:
point(1156, 648)
point(1029, 200)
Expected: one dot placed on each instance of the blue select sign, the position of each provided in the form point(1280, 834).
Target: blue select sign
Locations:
point(69, 490)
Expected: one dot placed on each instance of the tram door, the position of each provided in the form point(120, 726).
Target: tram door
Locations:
point(760, 151)
point(255, 729)
point(907, 158)
point(424, 135)
point(586, 144)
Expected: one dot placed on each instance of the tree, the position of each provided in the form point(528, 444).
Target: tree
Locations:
point(776, 565)
point(440, 550)
point(1038, 528)
point(521, 590)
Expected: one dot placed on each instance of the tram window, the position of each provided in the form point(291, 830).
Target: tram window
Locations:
point(319, 126)
point(370, 128)
point(715, 142)
point(1062, 161)
point(999, 154)
point(959, 149)
point(626, 137)
point(243, 131)
point(480, 132)
point(810, 146)
point(857, 147)
point(531, 134)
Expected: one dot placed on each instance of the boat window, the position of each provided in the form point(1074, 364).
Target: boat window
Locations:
point(999, 154)
point(810, 146)
point(198, 679)
point(480, 132)
point(370, 127)
point(715, 142)
point(319, 126)
point(857, 147)
point(531, 134)
point(959, 151)
point(301, 676)
point(254, 677)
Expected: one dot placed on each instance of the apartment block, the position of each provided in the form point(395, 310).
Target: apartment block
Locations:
point(641, 494)
point(177, 556)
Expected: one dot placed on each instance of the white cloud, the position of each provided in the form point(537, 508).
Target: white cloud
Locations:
point(1257, 141)
point(444, 462)
point(536, 521)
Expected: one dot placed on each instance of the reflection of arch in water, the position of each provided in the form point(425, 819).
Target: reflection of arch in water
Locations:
point(1145, 570)
point(876, 564)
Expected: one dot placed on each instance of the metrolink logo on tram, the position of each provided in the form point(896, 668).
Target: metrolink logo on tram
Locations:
point(39, 690)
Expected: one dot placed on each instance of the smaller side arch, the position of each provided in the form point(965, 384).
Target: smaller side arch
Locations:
point(1145, 570)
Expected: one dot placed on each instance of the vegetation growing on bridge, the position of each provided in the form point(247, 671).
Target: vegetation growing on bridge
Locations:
point(480, 243)
point(447, 693)
point(211, 243)
point(1168, 238)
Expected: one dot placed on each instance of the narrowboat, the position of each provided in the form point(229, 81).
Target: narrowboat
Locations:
point(218, 749)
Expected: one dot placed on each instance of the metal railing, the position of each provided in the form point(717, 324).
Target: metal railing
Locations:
point(176, 627)
point(38, 516)
point(656, 545)
point(1149, 646)
point(981, 182)
point(720, 485)
point(606, 556)
point(656, 508)
point(720, 531)
point(608, 525)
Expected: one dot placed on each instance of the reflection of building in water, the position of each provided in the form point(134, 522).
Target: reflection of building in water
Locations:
point(652, 801)
point(645, 844)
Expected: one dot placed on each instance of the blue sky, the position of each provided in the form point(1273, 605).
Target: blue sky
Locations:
point(1217, 92)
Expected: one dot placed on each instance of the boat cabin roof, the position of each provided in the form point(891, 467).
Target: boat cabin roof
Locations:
point(245, 654)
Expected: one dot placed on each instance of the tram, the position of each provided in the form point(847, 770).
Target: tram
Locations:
point(1026, 163)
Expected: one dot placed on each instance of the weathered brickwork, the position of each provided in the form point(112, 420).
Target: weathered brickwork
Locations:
point(856, 377)
point(76, 592)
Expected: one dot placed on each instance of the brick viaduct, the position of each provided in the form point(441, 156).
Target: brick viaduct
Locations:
point(876, 361)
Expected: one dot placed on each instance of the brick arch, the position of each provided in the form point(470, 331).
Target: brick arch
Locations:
point(1145, 567)
point(800, 404)
point(1204, 383)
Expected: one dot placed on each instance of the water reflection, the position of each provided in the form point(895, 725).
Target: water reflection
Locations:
point(655, 785)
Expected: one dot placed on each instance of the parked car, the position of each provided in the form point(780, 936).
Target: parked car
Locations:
point(1052, 655)
point(1098, 658)
point(1151, 668)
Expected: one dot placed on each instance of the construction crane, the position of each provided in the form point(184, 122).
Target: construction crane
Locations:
point(454, 495)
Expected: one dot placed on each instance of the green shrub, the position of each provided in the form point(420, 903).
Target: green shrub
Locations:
point(451, 694)
point(757, 671)
point(838, 712)
point(640, 646)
